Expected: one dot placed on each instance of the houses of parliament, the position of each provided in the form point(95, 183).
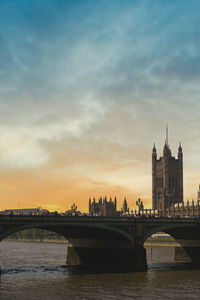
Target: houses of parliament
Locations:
point(167, 185)
point(167, 178)
point(167, 190)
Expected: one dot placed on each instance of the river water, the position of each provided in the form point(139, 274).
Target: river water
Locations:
point(37, 271)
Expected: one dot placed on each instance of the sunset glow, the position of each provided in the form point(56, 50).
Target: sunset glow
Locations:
point(86, 88)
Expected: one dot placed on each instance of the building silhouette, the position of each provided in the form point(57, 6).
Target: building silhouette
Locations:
point(198, 194)
point(167, 179)
point(103, 207)
point(24, 211)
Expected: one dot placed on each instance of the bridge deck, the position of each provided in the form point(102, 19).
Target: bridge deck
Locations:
point(92, 219)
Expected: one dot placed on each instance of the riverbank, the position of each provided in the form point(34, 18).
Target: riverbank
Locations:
point(151, 242)
point(38, 236)
point(45, 236)
point(58, 241)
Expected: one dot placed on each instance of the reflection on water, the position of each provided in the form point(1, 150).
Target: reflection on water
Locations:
point(38, 271)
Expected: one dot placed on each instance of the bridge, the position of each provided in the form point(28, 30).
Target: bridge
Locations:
point(113, 242)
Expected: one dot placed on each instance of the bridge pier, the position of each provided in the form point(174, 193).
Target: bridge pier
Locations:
point(120, 259)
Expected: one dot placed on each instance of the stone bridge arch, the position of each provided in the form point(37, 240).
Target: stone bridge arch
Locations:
point(6, 232)
point(171, 229)
point(65, 230)
point(186, 235)
point(92, 243)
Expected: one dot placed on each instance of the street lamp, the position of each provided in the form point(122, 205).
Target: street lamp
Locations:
point(140, 205)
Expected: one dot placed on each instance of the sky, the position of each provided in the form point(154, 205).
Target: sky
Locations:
point(86, 88)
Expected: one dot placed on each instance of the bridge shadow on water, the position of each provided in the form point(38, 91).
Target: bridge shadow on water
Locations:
point(79, 270)
point(173, 266)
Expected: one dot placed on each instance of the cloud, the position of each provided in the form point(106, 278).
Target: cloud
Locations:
point(86, 88)
point(185, 68)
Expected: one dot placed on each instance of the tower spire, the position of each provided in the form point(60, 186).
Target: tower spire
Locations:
point(166, 134)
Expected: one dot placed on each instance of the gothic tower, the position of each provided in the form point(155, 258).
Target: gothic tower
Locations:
point(154, 178)
point(198, 194)
point(167, 178)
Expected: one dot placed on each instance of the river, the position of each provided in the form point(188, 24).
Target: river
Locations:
point(37, 271)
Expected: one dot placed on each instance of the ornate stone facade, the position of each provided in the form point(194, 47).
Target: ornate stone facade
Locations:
point(103, 207)
point(167, 179)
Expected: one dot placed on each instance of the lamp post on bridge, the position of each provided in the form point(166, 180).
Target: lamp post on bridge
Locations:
point(140, 205)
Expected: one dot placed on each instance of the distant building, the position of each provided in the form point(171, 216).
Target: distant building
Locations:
point(24, 211)
point(167, 179)
point(103, 207)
